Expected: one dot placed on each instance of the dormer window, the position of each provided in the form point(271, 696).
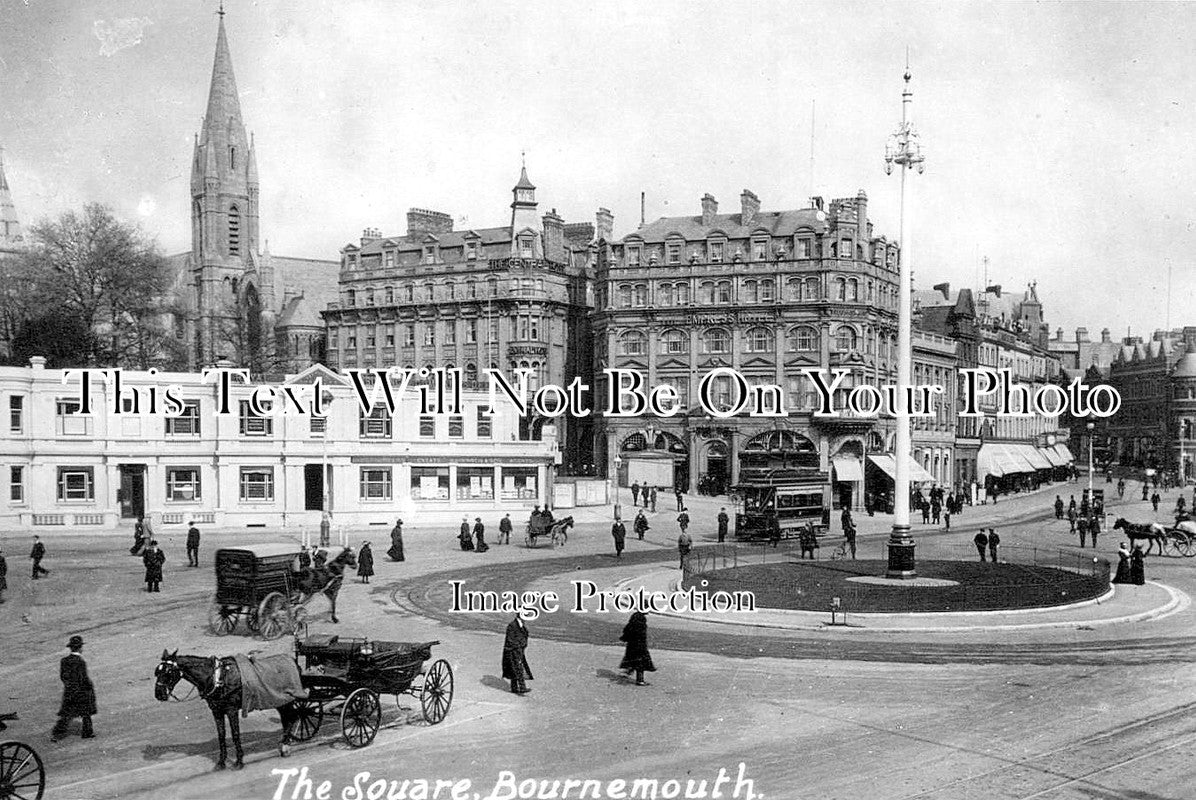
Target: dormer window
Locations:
point(471, 250)
point(673, 252)
point(388, 258)
point(429, 254)
point(351, 261)
point(633, 256)
point(803, 248)
point(351, 297)
point(759, 249)
point(525, 247)
point(715, 252)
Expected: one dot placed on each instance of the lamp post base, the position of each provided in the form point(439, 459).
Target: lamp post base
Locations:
point(901, 554)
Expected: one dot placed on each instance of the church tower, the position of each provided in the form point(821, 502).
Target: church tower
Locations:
point(525, 225)
point(233, 302)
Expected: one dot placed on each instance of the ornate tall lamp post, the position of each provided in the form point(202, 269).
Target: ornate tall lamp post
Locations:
point(1091, 465)
point(904, 150)
point(618, 466)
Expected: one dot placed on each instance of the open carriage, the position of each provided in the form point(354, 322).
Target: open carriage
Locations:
point(22, 774)
point(555, 532)
point(347, 676)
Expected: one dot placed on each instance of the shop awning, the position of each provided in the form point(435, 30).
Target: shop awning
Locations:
point(847, 468)
point(888, 465)
point(998, 460)
point(1034, 456)
point(1064, 453)
point(1052, 455)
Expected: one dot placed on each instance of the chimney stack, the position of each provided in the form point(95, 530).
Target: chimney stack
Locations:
point(1058, 334)
point(421, 220)
point(1105, 336)
point(37, 362)
point(604, 225)
point(1081, 335)
point(370, 234)
point(749, 206)
point(861, 217)
point(709, 210)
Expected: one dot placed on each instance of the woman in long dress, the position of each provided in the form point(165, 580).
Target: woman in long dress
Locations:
point(1137, 566)
point(396, 542)
point(1123, 565)
point(365, 563)
point(636, 657)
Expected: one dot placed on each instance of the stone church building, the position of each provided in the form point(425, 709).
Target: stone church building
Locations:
point(236, 300)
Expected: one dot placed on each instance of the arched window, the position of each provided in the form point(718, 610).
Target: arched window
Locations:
point(767, 291)
point(811, 291)
point(390, 295)
point(803, 339)
point(869, 291)
point(232, 158)
point(450, 290)
point(633, 343)
point(624, 295)
point(674, 342)
point(841, 289)
point(471, 373)
point(859, 252)
point(724, 292)
point(664, 295)
point(793, 289)
point(716, 340)
point(706, 293)
point(759, 340)
point(681, 293)
point(751, 292)
point(234, 231)
point(641, 294)
point(429, 292)
point(853, 290)
point(846, 339)
point(351, 297)
point(491, 287)
point(409, 293)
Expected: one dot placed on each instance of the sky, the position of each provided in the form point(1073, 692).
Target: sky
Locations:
point(1058, 136)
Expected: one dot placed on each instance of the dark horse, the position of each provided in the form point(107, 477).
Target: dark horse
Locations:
point(325, 578)
point(560, 529)
point(222, 691)
point(1152, 532)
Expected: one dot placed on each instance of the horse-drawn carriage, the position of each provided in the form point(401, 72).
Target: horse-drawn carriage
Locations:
point(1179, 540)
point(22, 774)
point(348, 675)
point(265, 585)
point(555, 531)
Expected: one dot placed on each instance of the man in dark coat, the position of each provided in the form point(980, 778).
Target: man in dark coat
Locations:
point(619, 532)
point(504, 529)
point(981, 542)
point(1154, 501)
point(683, 520)
point(652, 498)
point(3, 575)
point(365, 562)
point(1082, 527)
point(138, 537)
point(1058, 507)
point(37, 554)
point(514, 661)
point(680, 499)
point(684, 545)
point(192, 544)
point(994, 542)
point(635, 493)
point(724, 523)
point(153, 558)
point(78, 694)
point(808, 540)
point(479, 533)
point(325, 530)
point(640, 525)
point(636, 657)
point(396, 542)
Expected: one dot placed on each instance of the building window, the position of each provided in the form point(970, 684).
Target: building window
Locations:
point(519, 483)
point(525, 247)
point(485, 421)
point(681, 293)
point(803, 340)
point(369, 297)
point(724, 292)
point(16, 484)
point(234, 231)
point(633, 256)
point(427, 427)
point(375, 483)
point(450, 290)
point(388, 258)
point(430, 483)
point(641, 295)
point(254, 425)
point(450, 332)
point(664, 295)
point(75, 484)
point(408, 335)
point(624, 295)
point(409, 293)
point(182, 484)
point(388, 333)
point(751, 293)
point(846, 339)
point(674, 342)
point(351, 298)
point(475, 483)
point(714, 252)
point(187, 422)
point(456, 427)
point(853, 290)
point(706, 293)
point(673, 252)
point(371, 336)
point(16, 413)
point(759, 249)
point(811, 289)
point(803, 248)
point(430, 334)
point(429, 254)
point(759, 340)
point(317, 426)
point(257, 483)
point(633, 343)
point(471, 250)
point(716, 340)
point(429, 292)
point(69, 421)
point(375, 425)
point(767, 291)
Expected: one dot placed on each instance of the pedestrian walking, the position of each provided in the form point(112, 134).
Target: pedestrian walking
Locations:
point(3, 575)
point(1154, 501)
point(981, 542)
point(1121, 488)
point(1071, 506)
point(479, 534)
point(192, 544)
point(724, 522)
point(1137, 566)
point(636, 657)
point(138, 537)
point(936, 512)
point(1082, 527)
point(925, 512)
point(1094, 528)
point(37, 554)
point(774, 529)
point(78, 693)
point(396, 542)
point(684, 545)
point(635, 493)
point(644, 495)
point(849, 535)
point(153, 559)
point(325, 529)
point(504, 529)
point(365, 562)
point(994, 542)
point(683, 519)
point(514, 656)
point(1145, 490)
point(652, 497)
point(465, 535)
point(619, 532)
point(1071, 519)
point(680, 499)
point(808, 540)
point(1058, 507)
point(1123, 564)
point(947, 518)
point(640, 526)
point(1180, 506)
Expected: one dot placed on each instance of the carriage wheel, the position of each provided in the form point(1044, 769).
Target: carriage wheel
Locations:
point(1186, 545)
point(274, 616)
point(22, 774)
point(437, 694)
point(361, 716)
point(222, 619)
point(252, 622)
point(308, 716)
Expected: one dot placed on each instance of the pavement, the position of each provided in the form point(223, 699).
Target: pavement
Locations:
point(1080, 711)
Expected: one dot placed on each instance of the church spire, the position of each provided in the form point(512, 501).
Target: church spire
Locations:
point(224, 106)
point(10, 226)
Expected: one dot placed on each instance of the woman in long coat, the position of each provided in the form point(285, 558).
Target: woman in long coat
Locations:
point(1123, 565)
point(514, 662)
point(636, 657)
point(365, 562)
point(1137, 566)
point(396, 542)
point(153, 558)
point(479, 533)
point(465, 535)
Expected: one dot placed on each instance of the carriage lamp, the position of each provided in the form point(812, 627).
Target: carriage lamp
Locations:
point(367, 649)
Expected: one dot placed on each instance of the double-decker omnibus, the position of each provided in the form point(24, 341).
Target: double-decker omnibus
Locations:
point(791, 497)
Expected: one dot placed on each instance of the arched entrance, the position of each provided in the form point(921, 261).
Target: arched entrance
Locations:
point(716, 469)
point(778, 449)
point(662, 443)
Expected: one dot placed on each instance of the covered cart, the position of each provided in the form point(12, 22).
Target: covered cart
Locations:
point(257, 583)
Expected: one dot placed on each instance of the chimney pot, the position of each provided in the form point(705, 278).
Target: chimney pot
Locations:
point(749, 206)
point(37, 362)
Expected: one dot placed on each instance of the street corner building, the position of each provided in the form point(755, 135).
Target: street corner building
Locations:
point(72, 471)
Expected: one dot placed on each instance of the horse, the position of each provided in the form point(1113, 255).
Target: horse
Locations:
point(218, 681)
point(325, 578)
point(560, 530)
point(1152, 532)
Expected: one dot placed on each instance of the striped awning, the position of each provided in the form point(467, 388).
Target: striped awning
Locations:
point(1000, 459)
point(1034, 456)
point(1052, 455)
point(847, 468)
point(1064, 453)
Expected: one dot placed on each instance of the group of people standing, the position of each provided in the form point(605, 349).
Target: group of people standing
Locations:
point(939, 506)
point(1084, 519)
point(648, 494)
point(473, 538)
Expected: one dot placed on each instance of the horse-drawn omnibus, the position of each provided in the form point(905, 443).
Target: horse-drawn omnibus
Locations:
point(792, 498)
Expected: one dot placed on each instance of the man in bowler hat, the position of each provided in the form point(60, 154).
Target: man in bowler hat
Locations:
point(78, 694)
point(514, 662)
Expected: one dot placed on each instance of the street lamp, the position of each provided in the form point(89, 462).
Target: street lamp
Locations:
point(618, 465)
point(327, 397)
point(904, 150)
point(1091, 427)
